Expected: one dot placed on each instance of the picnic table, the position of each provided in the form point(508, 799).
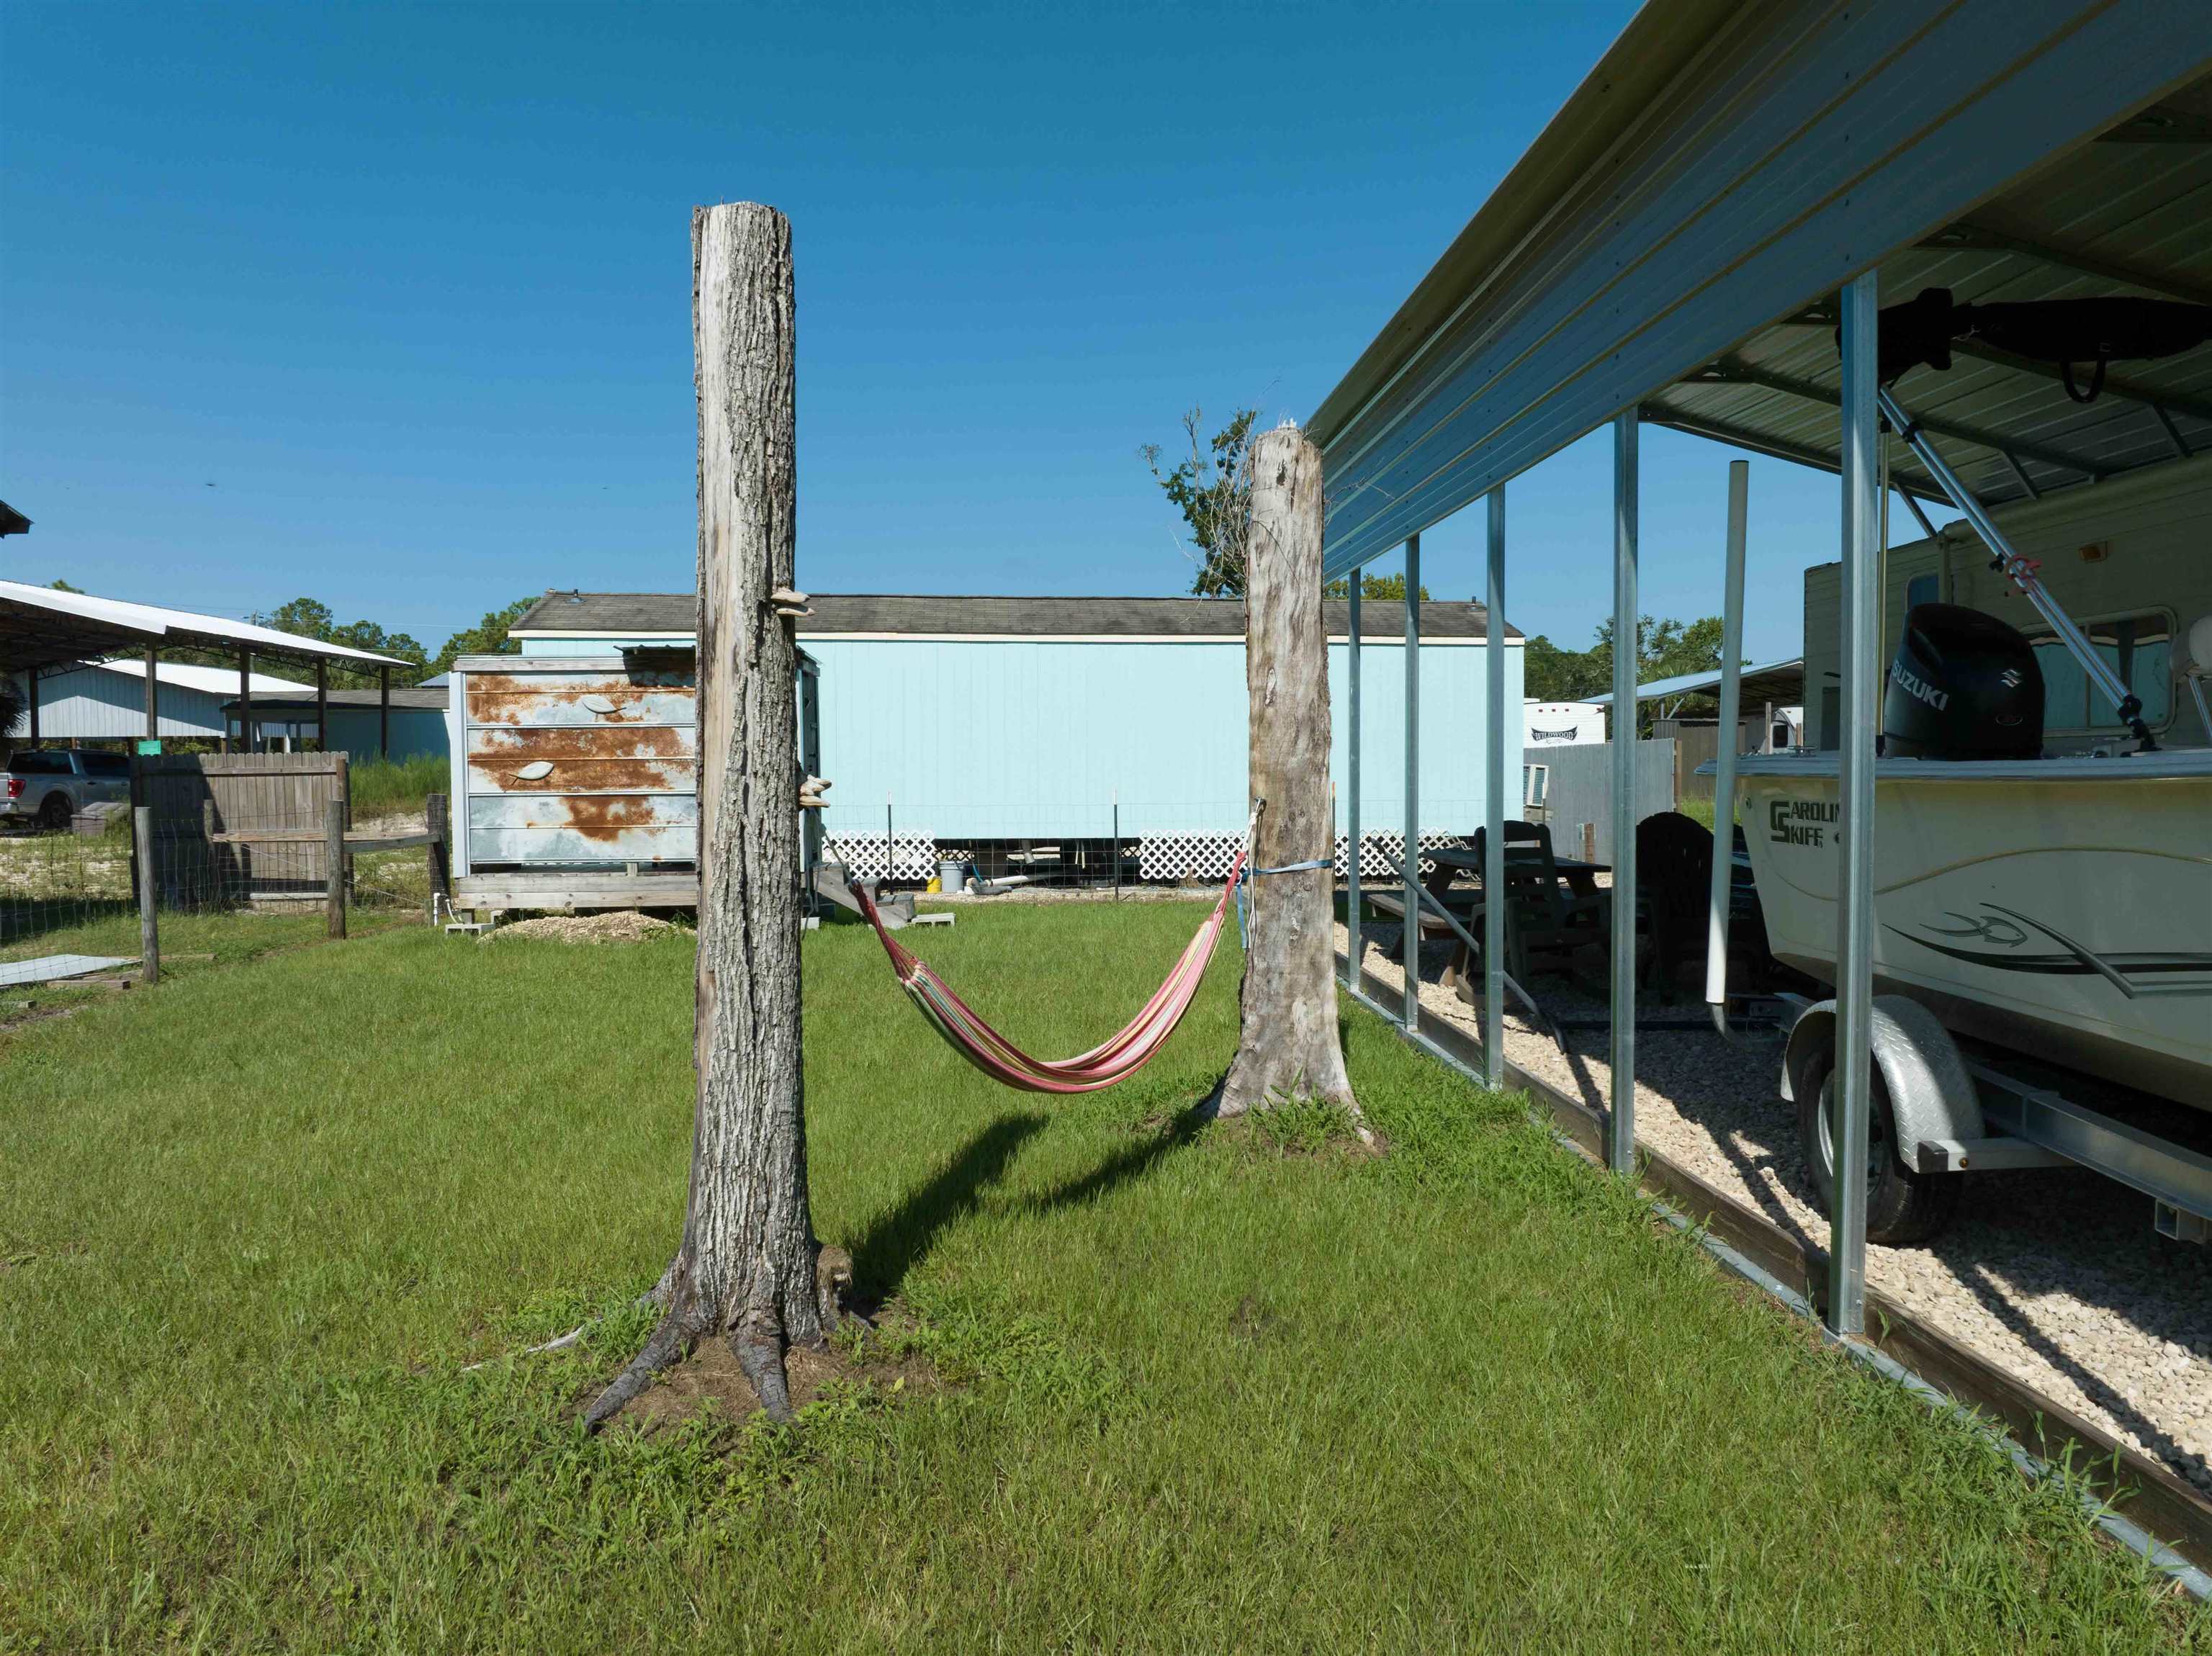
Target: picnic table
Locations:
point(1451, 860)
point(1579, 877)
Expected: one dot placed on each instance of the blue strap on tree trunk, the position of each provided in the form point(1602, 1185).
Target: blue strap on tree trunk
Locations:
point(1243, 919)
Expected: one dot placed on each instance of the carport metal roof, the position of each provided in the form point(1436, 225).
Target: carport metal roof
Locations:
point(41, 627)
point(1775, 681)
point(1731, 163)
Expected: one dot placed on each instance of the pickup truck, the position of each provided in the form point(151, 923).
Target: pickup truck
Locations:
point(49, 785)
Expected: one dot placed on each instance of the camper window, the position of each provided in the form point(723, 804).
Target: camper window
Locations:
point(2139, 649)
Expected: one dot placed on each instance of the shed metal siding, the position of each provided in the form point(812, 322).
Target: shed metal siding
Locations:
point(92, 705)
point(574, 761)
point(416, 732)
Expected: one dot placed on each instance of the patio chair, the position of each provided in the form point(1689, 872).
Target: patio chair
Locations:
point(1674, 876)
point(1545, 925)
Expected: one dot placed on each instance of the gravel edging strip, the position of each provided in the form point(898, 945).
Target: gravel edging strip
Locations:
point(2131, 1473)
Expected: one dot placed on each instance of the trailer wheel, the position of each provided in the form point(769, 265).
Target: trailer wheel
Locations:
point(1903, 1206)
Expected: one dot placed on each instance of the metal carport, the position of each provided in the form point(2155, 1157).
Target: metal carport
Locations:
point(43, 627)
point(1730, 188)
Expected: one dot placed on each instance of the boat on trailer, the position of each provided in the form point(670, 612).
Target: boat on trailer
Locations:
point(2059, 907)
point(2054, 906)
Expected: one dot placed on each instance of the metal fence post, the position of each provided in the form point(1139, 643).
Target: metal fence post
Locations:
point(1621, 1127)
point(1862, 678)
point(1355, 948)
point(334, 904)
point(1412, 894)
point(1494, 773)
point(149, 934)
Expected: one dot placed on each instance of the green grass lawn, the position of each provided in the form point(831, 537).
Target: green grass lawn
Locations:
point(1206, 1391)
point(391, 787)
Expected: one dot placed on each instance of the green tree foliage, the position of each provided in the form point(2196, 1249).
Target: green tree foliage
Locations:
point(63, 586)
point(1373, 588)
point(1664, 649)
point(487, 638)
point(312, 618)
point(1212, 490)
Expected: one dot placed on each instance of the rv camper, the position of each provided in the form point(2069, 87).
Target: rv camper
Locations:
point(1561, 723)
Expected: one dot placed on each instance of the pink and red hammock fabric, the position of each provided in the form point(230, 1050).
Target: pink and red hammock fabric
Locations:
point(1103, 1065)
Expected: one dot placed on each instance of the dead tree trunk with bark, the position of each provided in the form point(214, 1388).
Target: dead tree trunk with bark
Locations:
point(1289, 1047)
point(748, 1269)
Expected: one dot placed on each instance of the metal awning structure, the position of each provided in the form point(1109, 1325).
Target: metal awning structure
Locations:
point(1780, 682)
point(41, 627)
point(1675, 242)
point(1703, 239)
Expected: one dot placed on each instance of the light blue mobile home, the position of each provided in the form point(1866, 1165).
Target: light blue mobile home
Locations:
point(949, 722)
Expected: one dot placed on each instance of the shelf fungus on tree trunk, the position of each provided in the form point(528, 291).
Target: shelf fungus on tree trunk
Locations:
point(748, 1269)
point(1289, 1047)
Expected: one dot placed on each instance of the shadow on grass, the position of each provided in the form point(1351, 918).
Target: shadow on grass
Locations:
point(1181, 1129)
point(899, 1239)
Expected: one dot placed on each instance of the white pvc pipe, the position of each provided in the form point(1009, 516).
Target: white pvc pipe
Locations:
point(1723, 877)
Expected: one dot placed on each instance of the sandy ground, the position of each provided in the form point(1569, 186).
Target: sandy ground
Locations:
point(617, 925)
point(2056, 1275)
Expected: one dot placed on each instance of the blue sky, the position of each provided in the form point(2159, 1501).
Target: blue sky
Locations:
point(390, 306)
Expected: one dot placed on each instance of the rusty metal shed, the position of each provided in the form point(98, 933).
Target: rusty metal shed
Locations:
point(576, 779)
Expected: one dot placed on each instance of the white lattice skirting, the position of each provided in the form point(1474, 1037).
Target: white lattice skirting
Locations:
point(913, 856)
point(1207, 856)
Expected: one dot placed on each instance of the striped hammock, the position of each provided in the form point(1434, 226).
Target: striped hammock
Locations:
point(1115, 1060)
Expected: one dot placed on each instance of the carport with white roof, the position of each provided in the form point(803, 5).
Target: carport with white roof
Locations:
point(42, 627)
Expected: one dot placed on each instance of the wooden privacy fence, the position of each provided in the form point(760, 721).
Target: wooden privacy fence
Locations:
point(196, 798)
point(1579, 792)
point(264, 828)
point(1698, 741)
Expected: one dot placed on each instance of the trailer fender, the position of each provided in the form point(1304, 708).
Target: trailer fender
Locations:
point(1930, 1094)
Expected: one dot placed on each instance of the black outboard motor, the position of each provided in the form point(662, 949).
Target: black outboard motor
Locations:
point(1964, 685)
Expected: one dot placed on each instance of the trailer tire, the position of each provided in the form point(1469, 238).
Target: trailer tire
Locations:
point(1903, 1206)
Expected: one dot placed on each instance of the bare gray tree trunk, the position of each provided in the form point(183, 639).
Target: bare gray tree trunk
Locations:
point(1289, 1047)
point(749, 1268)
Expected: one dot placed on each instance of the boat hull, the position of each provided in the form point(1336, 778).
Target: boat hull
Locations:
point(2063, 908)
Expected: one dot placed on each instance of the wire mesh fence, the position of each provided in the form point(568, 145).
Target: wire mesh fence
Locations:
point(54, 882)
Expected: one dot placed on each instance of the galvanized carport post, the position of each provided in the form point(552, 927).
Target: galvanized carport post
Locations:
point(1493, 788)
point(1354, 950)
point(1620, 1126)
point(1413, 893)
point(1861, 677)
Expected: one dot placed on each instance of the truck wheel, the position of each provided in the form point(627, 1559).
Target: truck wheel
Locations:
point(54, 811)
point(1903, 1206)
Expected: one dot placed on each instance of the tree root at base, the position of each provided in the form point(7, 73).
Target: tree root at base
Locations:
point(671, 1343)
